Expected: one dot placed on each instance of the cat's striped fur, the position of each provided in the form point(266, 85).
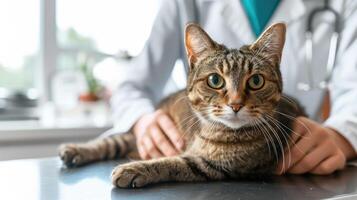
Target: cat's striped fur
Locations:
point(218, 148)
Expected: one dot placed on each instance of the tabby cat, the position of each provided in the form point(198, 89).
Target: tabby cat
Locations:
point(233, 115)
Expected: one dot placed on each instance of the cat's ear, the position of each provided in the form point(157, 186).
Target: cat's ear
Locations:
point(270, 44)
point(198, 43)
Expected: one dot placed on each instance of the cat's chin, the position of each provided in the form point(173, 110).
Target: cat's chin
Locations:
point(233, 123)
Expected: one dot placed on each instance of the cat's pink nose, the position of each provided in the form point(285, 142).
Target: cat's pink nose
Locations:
point(235, 107)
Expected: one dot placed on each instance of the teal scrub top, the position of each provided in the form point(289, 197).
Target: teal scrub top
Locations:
point(259, 12)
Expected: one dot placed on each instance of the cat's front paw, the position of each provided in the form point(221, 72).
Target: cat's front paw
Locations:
point(131, 175)
point(72, 155)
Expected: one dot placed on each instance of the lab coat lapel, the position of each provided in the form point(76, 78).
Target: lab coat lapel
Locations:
point(288, 11)
point(237, 21)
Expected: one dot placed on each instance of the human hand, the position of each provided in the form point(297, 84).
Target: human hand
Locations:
point(316, 149)
point(157, 136)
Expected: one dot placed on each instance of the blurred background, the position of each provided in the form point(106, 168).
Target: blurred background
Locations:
point(60, 60)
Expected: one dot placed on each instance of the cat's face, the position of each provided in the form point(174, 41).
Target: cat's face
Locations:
point(230, 86)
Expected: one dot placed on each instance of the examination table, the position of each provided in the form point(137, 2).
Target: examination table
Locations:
point(47, 179)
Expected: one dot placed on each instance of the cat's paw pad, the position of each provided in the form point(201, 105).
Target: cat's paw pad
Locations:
point(71, 155)
point(132, 175)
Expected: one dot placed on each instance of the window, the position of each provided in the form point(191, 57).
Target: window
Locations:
point(19, 44)
point(102, 28)
point(41, 38)
point(97, 27)
point(106, 26)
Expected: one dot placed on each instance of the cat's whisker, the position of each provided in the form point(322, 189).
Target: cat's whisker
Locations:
point(291, 101)
point(296, 120)
point(191, 118)
point(290, 129)
point(276, 135)
point(196, 122)
point(283, 133)
point(211, 127)
point(187, 119)
point(180, 99)
point(263, 128)
point(280, 144)
point(287, 134)
point(183, 136)
point(265, 137)
point(285, 126)
point(271, 139)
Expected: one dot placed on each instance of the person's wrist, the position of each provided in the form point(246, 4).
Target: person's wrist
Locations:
point(343, 144)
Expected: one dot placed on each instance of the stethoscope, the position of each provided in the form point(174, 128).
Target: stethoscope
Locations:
point(334, 42)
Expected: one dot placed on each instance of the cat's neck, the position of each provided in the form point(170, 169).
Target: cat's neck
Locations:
point(219, 133)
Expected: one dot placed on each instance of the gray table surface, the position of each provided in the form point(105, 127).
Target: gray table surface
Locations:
point(48, 179)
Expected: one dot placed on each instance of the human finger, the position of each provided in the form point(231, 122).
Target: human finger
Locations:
point(330, 165)
point(312, 159)
point(162, 143)
point(150, 147)
point(142, 151)
point(171, 131)
point(296, 153)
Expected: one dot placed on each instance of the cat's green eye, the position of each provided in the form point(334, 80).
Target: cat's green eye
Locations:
point(256, 82)
point(215, 81)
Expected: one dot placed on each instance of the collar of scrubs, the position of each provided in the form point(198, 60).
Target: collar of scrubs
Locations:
point(259, 12)
point(235, 17)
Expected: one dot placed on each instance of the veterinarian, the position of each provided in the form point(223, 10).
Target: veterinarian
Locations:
point(322, 145)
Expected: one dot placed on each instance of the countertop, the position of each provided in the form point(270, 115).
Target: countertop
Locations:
point(48, 179)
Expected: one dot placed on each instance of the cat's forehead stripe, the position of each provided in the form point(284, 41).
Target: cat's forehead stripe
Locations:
point(226, 67)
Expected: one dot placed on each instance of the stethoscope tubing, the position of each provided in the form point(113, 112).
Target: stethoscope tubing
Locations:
point(334, 42)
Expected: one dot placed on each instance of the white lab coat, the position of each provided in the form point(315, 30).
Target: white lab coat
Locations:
point(227, 23)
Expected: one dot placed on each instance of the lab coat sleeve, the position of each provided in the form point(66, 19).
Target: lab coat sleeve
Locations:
point(343, 87)
point(148, 73)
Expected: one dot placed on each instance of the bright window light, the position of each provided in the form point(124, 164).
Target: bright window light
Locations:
point(19, 43)
point(105, 25)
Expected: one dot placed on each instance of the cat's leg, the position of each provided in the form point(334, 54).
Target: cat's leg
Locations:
point(111, 147)
point(179, 168)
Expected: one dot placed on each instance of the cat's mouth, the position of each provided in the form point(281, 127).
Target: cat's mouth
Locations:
point(236, 120)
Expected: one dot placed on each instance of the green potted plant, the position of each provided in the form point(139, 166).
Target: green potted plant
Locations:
point(93, 85)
